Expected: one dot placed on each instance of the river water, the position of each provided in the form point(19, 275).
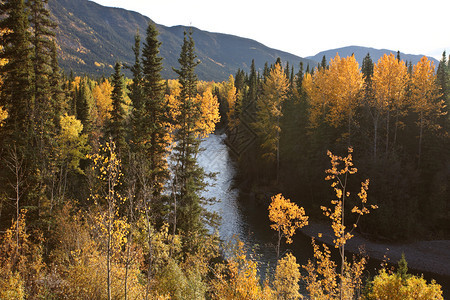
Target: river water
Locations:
point(243, 219)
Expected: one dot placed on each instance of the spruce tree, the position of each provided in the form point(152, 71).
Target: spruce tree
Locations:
point(16, 94)
point(299, 80)
point(443, 77)
point(252, 85)
point(44, 119)
point(136, 96)
point(154, 132)
point(323, 64)
point(56, 89)
point(43, 42)
point(189, 176)
point(116, 126)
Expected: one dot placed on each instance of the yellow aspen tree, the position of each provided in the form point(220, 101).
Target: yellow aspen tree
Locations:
point(173, 103)
point(316, 87)
point(341, 168)
point(390, 77)
point(238, 277)
point(287, 218)
point(21, 261)
point(107, 164)
point(209, 109)
point(268, 116)
point(344, 83)
point(231, 97)
point(287, 276)
point(72, 147)
point(425, 97)
point(3, 115)
point(322, 279)
point(102, 97)
point(392, 287)
point(206, 101)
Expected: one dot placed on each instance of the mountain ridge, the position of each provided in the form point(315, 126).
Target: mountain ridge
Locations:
point(360, 52)
point(93, 37)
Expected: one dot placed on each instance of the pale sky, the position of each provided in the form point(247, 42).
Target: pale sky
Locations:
point(305, 28)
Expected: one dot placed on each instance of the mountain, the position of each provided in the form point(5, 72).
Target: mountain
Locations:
point(91, 38)
point(361, 52)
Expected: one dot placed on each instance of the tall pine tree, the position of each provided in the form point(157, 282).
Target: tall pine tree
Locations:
point(154, 132)
point(16, 94)
point(136, 96)
point(189, 176)
point(116, 126)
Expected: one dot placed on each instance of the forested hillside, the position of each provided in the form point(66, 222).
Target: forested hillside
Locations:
point(91, 38)
point(101, 193)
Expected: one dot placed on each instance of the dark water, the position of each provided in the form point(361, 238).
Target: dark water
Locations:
point(242, 218)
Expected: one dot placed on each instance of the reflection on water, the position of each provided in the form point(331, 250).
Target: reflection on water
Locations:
point(247, 222)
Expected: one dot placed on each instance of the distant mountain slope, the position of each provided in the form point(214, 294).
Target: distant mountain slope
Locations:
point(361, 52)
point(92, 38)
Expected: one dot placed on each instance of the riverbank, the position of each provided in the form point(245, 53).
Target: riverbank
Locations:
point(426, 256)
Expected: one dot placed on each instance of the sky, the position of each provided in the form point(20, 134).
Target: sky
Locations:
point(305, 28)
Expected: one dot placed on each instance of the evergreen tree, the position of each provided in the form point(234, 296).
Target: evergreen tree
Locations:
point(252, 85)
point(57, 92)
point(189, 176)
point(16, 94)
point(367, 68)
point(287, 71)
point(83, 100)
point(43, 43)
point(136, 95)
point(116, 128)
point(239, 80)
point(323, 64)
point(266, 70)
point(292, 77)
point(299, 80)
point(154, 132)
point(442, 77)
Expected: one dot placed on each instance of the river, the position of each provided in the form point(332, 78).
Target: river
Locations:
point(243, 219)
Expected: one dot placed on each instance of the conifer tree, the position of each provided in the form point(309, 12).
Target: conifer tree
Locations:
point(16, 94)
point(57, 93)
point(116, 126)
point(16, 98)
point(189, 176)
point(443, 77)
point(42, 40)
point(323, 63)
point(252, 83)
point(154, 132)
point(136, 95)
point(299, 80)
